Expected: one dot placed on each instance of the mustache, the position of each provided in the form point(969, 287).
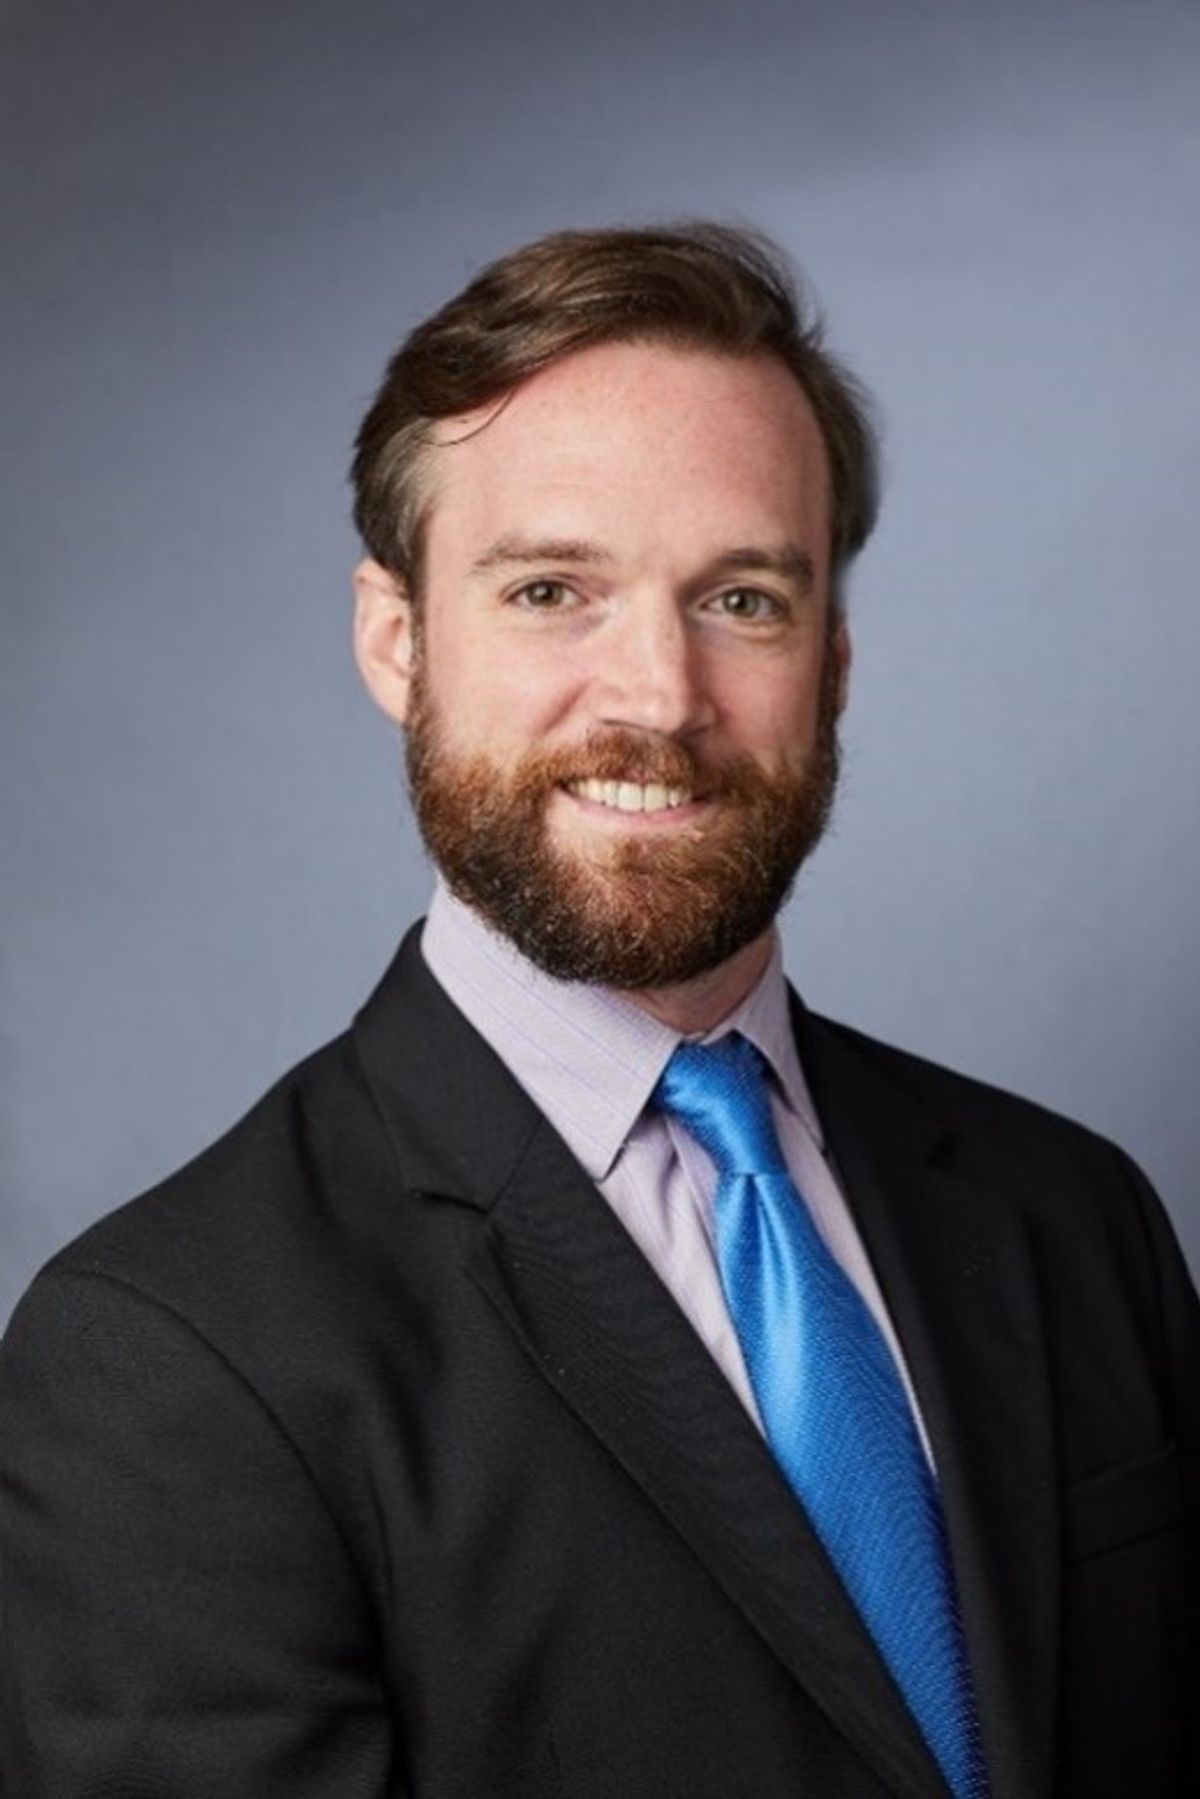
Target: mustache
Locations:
point(619, 755)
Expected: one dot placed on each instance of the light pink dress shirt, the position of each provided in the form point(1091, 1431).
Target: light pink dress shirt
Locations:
point(590, 1059)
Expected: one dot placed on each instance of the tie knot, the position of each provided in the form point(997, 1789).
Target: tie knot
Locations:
point(719, 1092)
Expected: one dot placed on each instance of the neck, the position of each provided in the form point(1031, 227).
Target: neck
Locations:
point(695, 1006)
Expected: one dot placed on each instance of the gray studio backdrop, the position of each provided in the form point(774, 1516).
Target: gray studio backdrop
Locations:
point(218, 218)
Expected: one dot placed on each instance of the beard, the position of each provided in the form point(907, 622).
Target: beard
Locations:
point(636, 912)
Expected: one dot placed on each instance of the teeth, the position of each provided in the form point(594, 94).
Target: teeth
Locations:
point(631, 796)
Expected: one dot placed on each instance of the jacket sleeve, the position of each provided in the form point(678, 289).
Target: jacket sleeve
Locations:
point(180, 1613)
point(1179, 1315)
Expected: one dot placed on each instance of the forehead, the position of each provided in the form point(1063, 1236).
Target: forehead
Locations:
point(640, 443)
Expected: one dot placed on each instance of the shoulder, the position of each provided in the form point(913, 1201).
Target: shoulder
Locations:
point(250, 1207)
point(311, 1223)
point(1022, 1153)
point(311, 1162)
point(937, 1091)
point(1094, 1236)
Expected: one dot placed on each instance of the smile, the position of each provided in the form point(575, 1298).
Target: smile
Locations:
point(631, 796)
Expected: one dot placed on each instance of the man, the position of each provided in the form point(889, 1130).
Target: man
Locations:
point(594, 1374)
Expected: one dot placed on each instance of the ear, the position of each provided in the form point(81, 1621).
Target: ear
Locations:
point(383, 638)
point(842, 651)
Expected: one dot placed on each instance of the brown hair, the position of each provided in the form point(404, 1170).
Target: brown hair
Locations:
point(702, 285)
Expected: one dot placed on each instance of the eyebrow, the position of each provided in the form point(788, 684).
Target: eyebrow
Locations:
point(519, 552)
point(788, 560)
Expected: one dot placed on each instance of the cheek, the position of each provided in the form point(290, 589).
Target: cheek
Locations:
point(773, 714)
point(490, 696)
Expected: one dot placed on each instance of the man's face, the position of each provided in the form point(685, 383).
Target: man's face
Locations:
point(623, 681)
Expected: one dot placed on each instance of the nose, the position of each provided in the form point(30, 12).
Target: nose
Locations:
point(650, 672)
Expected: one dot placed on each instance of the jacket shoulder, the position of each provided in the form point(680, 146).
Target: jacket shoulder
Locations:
point(256, 1200)
point(961, 1101)
point(1052, 1168)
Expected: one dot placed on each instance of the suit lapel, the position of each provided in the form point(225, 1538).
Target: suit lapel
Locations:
point(952, 1259)
point(606, 1335)
point(601, 1329)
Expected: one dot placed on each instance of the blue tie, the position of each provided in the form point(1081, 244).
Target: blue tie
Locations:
point(833, 1406)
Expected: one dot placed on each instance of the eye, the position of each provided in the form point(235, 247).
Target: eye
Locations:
point(543, 596)
point(749, 605)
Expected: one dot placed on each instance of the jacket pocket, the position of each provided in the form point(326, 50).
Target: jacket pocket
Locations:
point(1118, 1506)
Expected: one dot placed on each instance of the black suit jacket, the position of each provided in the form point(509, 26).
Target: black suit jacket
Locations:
point(367, 1456)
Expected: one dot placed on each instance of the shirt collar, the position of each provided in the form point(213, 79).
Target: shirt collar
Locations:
point(587, 1056)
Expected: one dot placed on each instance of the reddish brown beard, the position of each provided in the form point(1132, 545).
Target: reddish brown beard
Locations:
point(650, 912)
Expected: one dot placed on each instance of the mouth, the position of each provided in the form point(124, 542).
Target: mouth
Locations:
point(632, 796)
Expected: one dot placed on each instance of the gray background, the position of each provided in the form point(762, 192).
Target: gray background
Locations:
point(218, 218)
